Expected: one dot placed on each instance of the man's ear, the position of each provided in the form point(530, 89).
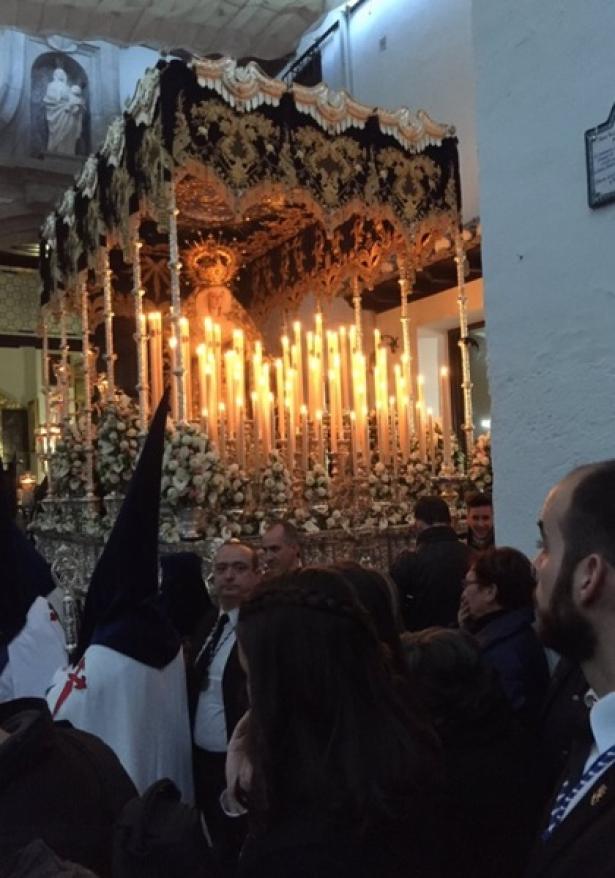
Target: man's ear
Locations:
point(590, 576)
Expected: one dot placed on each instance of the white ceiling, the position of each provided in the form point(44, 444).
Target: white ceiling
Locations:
point(260, 28)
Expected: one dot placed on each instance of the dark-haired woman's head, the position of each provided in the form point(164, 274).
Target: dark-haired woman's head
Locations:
point(376, 596)
point(501, 579)
point(328, 733)
point(450, 678)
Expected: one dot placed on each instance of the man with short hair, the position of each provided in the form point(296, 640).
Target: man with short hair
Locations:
point(217, 684)
point(430, 579)
point(281, 549)
point(480, 535)
point(575, 609)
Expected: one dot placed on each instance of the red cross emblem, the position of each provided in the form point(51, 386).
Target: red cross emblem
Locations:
point(73, 681)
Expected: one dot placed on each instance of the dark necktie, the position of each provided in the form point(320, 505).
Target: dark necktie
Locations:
point(206, 657)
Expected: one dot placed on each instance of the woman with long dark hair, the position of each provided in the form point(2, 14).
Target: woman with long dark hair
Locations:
point(342, 773)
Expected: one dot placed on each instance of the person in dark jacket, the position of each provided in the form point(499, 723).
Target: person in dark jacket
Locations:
point(492, 796)
point(429, 579)
point(57, 784)
point(497, 607)
point(342, 773)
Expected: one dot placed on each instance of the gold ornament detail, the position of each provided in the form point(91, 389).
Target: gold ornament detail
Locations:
point(211, 263)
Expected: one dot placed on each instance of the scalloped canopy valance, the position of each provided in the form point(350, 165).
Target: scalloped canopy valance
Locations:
point(311, 187)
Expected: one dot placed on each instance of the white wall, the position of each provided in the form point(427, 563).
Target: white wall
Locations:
point(427, 63)
point(545, 75)
point(134, 61)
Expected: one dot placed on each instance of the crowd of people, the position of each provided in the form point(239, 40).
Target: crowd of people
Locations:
point(452, 716)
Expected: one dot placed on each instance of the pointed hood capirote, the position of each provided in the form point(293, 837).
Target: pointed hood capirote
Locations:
point(121, 609)
point(24, 573)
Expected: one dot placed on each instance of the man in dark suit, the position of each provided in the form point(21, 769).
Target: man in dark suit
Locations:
point(575, 601)
point(430, 579)
point(217, 682)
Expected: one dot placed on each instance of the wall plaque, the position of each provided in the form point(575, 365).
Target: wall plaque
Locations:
point(600, 156)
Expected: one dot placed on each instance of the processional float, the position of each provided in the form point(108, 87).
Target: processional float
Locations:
point(218, 202)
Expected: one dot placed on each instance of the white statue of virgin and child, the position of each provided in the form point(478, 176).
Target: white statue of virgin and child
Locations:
point(64, 111)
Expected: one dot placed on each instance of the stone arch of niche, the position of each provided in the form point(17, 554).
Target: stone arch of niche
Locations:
point(40, 76)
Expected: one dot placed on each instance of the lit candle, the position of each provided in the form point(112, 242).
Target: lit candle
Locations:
point(320, 446)
point(353, 444)
point(343, 339)
point(255, 421)
point(401, 404)
point(213, 406)
point(229, 378)
point(241, 436)
point(394, 443)
point(298, 361)
point(279, 384)
point(420, 426)
point(154, 320)
point(222, 411)
point(431, 438)
point(445, 407)
point(292, 427)
point(173, 359)
point(184, 329)
point(201, 354)
point(305, 449)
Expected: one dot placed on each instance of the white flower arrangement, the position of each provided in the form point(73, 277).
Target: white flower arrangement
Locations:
point(231, 520)
point(192, 474)
point(117, 444)
point(317, 485)
point(480, 473)
point(68, 464)
point(303, 519)
point(276, 484)
point(414, 477)
point(380, 483)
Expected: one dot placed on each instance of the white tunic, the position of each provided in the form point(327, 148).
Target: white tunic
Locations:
point(139, 711)
point(34, 655)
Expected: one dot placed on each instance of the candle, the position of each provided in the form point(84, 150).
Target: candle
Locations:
point(320, 446)
point(173, 359)
point(431, 438)
point(184, 329)
point(279, 384)
point(400, 405)
point(304, 439)
point(229, 378)
point(154, 320)
point(212, 395)
point(353, 444)
point(292, 426)
point(222, 410)
point(445, 407)
point(420, 426)
point(343, 345)
point(255, 425)
point(394, 444)
point(298, 362)
point(241, 437)
point(201, 354)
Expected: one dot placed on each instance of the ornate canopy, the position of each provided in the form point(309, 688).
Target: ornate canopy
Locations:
point(305, 188)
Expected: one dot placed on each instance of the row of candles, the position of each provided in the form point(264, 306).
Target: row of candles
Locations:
point(315, 397)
